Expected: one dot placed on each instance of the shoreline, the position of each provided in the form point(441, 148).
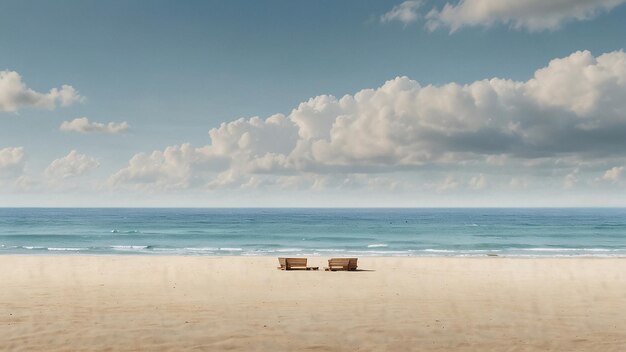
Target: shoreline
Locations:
point(290, 255)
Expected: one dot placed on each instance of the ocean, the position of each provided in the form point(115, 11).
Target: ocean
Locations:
point(314, 232)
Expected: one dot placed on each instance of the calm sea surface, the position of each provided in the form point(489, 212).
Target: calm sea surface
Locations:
point(323, 232)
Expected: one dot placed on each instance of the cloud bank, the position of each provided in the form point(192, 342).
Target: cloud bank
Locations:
point(569, 118)
point(14, 94)
point(531, 15)
point(83, 125)
point(406, 12)
point(11, 161)
point(614, 174)
point(72, 165)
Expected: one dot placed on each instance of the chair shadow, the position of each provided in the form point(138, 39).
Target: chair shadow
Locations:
point(340, 271)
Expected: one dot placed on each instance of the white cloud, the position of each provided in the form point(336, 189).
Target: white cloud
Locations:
point(478, 182)
point(518, 183)
point(613, 174)
point(582, 83)
point(14, 94)
point(406, 12)
point(532, 15)
point(571, 179)
point(71, 165)
point(25, 183)
point(11, 161)
point(569, 115)
point(83, 125)
point(176, 167)
point(254, 137)
point(239, 147)
point(448, 184)
point(405, 124)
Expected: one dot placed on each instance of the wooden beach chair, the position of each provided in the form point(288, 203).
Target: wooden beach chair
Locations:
point(346, 264)
point(294, 264)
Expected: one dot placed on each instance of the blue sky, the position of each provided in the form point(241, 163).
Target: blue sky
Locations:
point(173, 70)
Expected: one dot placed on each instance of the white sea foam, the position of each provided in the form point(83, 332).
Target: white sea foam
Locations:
point(170, 250)
point(202, 249)
point(377, 245)
point(129, 248)
point(251, 254)
point(229, 249)
point(66, 249)
point(573, 255)
point(439, 250)
point(542, 249)
point(407, 252)
point(289, 250)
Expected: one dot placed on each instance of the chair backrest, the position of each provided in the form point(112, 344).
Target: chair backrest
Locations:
point(352, 265)
point(345, 263)
point(339, 262)
point(295, 262)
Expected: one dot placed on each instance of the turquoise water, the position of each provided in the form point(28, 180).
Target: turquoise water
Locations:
point(323, 232)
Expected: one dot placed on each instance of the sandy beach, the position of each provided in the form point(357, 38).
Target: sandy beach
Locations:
point(158, 303)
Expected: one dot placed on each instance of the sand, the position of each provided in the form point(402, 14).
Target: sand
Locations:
point(158, 303)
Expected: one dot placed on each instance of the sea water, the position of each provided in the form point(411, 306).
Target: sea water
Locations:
point(315, 232)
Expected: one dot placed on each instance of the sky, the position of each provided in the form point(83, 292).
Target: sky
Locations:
point(351, 103)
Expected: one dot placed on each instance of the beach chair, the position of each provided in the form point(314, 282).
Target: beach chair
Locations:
point(346, 264)
point(294, 264)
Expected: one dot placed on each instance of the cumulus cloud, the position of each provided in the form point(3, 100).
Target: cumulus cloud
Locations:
point(532, 15)
point(175, 167)
point(571, 179)
point(72, 165)
point(613, 174)
point(14, 94)
point(569, 115)
point(518, 183)
point(406, 12)
point(11, 161)
point(450, 183)
point(83, 125)
point(478, 182)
